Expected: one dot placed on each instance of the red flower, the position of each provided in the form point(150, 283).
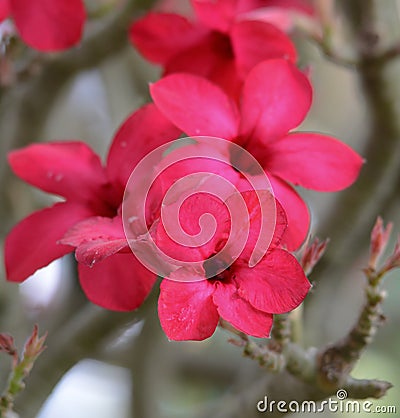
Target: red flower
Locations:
point(89, 218)
point(276, 98)
point(246, 297)
point(281, 13)
point(46, 25)
point(221, 44)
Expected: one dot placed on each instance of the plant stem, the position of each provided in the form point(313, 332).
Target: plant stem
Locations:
point(336, 361)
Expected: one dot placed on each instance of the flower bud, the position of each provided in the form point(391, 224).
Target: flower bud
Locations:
point(379, 239)
point(312, 254)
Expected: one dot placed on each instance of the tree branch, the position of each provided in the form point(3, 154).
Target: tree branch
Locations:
point(85, 334)
point(24, 107)
point(375, 191)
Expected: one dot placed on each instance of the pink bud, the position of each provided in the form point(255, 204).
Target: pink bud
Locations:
point(312, 254)
point(35, 345)
point(379, 239)
point(7, 344)
point(394, 260)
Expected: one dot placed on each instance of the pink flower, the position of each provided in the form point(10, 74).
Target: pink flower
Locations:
point(190, 307)
point(275, 99)
point(46, 25)
point(220, 44)
point(89, 218)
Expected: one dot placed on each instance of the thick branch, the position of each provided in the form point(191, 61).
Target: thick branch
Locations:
point(374, 191)
point(363, 389)
point(336, 361)
point(84, 335)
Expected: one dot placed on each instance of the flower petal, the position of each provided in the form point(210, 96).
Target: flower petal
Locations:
point(195, 217)
point(248, 35)
point(217, 15)
point(298, 216)
point(281, 13)
point(94, 228)
point(92, 252)
point(196, 106)
point(240, 313)
point(200, 59)
point(143, 131)
point(49, 25)
point(32, 244)
point(276, 285)
point(120, 282)
point(69, 169)
point(276, 98)
point(304, 6)
point(315, 161)
point(266, 212)
point(212, 58)
point(161, 36)
point(187, 310)
point(226, 76)
point(181, 165)
point(263, 225)
point(96, 239)
point(4, 9)
point(277, 16)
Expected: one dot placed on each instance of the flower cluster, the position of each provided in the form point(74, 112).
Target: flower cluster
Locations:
point(229, 73)
point(221, 41)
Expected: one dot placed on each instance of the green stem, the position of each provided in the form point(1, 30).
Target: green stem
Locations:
point(338, 360)
point(296, 321)
point(15, 386)
point(20, 371)
point(281, 332)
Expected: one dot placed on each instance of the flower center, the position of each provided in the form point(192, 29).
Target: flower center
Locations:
point(222, 44)
point(215, 269)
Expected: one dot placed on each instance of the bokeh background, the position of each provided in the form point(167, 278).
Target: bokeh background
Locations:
point(119, 365)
